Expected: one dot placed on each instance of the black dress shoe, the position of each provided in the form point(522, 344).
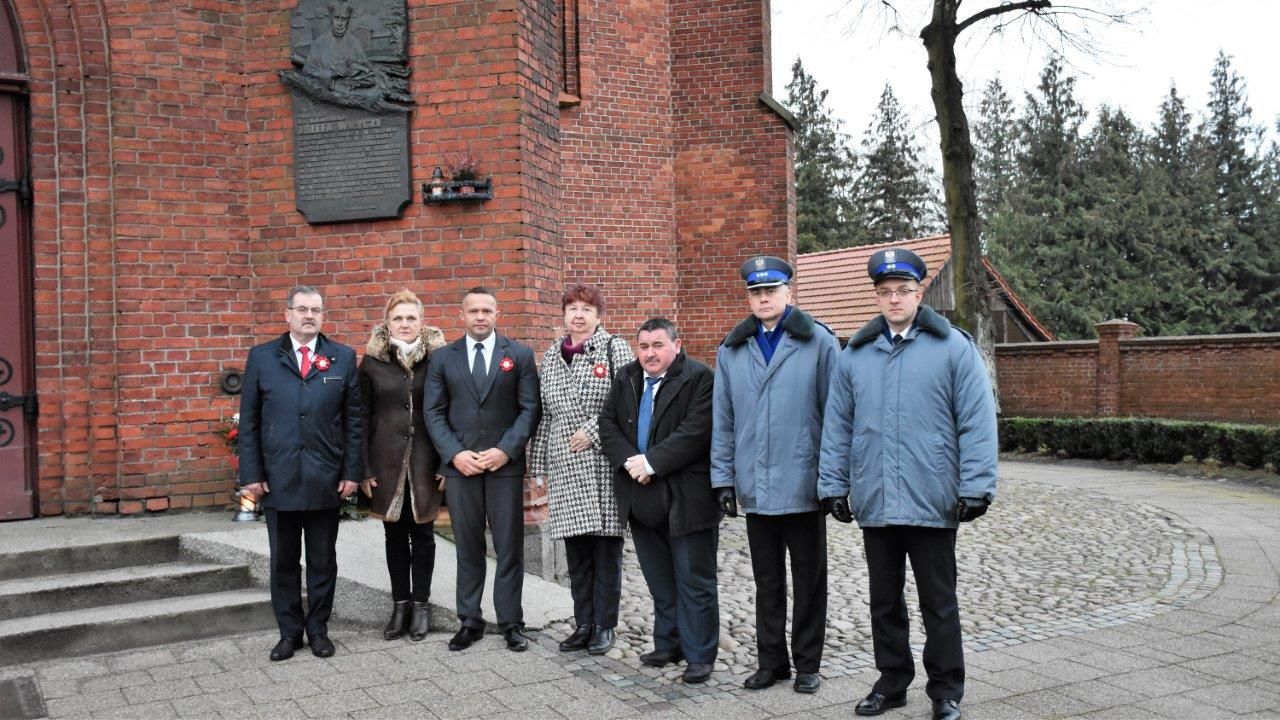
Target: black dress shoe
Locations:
point(516, 640)
point(399, 621)
point(806, 682)
point(322, 646)
point(662, 658)
point(463, 639)
point(284, 649)
point(578, 640)
point(420, 624)
point(601, 640)
point(946, 710)
point(875, 703)
point(764, 677)
point(697, 672)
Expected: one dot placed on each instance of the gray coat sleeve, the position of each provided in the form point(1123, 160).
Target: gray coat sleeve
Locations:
point(974, 406)
point(723, 436)
point(529, 398)
point(837, 431)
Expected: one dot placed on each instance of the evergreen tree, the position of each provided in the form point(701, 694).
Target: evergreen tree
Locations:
point(1244, 201)
point(1041, 246)
point(1190, 280)
point(893, 196)
point(824, 167)
point(995, 137)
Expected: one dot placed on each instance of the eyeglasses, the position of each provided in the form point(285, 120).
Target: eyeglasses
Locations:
point(304, 310)
point(904, 293)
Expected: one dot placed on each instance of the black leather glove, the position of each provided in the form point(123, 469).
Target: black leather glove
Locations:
point(728, 500)
point(969, 509)
point(838, 508)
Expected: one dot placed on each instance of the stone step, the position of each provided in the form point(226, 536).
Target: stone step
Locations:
point(64, 559)
point(137, 624)
point(77, 591)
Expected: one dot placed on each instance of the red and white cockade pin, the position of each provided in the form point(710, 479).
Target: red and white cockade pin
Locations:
point(322, 363)
point(600, 370)
point(507, 365)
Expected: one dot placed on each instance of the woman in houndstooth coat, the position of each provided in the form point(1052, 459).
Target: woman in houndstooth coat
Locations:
point(576, 375)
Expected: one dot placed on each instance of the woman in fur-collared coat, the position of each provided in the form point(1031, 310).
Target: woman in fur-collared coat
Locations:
point(576, 375)
point(401, 462)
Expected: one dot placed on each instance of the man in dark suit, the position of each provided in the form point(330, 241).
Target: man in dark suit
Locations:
point(301, 454)
point(655, 428)
point(481, 405)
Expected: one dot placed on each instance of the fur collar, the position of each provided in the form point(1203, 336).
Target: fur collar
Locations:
point(380, 347)
point(798, 323)
point(927, 320)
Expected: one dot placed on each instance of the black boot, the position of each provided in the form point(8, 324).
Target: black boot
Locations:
point(578, 640)
point(421, 623)
point(399, 620)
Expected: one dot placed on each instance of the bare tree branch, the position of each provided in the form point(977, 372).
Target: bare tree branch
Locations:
point(1031, 5)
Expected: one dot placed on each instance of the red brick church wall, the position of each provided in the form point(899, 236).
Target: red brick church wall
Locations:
point(166, 236)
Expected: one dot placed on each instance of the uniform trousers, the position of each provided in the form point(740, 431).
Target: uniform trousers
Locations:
point(498, 499)
point(286, 532)
point(680, 571)
point(933, 562)
point(411, 554)
point(772, 538)
point(595, 578)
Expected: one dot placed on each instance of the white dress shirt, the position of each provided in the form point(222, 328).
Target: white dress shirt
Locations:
point(297, 354)
point(647, 467)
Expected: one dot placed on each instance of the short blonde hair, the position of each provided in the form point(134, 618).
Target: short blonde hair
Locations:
point(401, 298)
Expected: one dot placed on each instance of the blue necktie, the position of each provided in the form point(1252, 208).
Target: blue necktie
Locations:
point(646, 414)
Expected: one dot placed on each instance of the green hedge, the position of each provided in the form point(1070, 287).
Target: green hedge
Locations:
point(1144, 440)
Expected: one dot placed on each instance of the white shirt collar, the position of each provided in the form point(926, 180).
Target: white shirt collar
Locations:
point(311, 344)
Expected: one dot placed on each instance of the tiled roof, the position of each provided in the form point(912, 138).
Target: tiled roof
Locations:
point(833, 286)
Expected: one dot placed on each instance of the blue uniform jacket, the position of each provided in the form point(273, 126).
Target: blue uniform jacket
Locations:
point(909, 430)
point(768, 416)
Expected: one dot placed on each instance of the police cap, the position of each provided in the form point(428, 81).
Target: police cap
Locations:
point(896, 263)
point(766, 271)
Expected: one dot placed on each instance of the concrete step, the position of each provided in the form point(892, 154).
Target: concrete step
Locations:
point(77, 591)
point(136, 624)
point(64, 559)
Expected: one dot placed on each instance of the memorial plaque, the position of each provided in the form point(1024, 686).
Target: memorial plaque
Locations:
point(350, 109)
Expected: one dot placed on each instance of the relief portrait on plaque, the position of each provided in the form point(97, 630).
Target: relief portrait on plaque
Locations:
point(348, 58)
point(351, 104)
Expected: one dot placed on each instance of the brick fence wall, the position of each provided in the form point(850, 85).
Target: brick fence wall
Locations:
point(1232, 378)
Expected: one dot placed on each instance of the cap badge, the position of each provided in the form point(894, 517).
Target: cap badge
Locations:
point(760, 264)
point(890, 256)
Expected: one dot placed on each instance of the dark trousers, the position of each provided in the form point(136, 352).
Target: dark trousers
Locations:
point(499, 499)
point(411, 554)
point(595, 578)
point(287, 531)
point(681, 574)
point(933, 561)
point(772, 538)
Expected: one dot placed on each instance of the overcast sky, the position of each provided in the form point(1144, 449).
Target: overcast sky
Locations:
point(1171, 41)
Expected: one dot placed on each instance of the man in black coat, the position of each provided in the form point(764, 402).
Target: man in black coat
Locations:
point(655, 428)
point(481, 405)
point(301, 447)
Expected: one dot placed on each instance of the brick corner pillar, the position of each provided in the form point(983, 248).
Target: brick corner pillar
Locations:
point(1110, 333)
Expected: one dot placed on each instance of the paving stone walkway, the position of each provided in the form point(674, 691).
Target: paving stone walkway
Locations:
point(1087, 592)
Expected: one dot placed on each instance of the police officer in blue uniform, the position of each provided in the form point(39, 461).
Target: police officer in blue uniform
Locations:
point(772, 374)
point(913, 458)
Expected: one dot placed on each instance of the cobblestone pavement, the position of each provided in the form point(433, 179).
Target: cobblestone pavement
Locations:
point(1087, 592)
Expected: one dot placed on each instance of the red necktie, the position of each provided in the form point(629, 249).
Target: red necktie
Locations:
point(306, 359)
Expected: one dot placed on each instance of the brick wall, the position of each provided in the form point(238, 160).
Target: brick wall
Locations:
point(734, 185)
point(165, 234)
point(1232, 378)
